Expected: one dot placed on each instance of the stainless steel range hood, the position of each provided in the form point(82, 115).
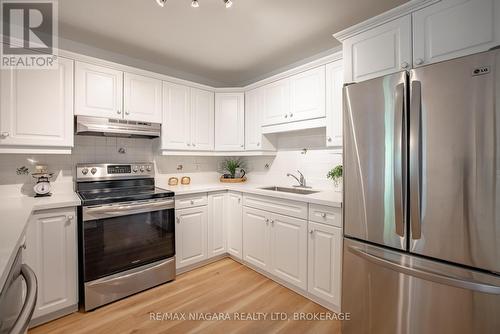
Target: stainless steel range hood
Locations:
point(100, 126)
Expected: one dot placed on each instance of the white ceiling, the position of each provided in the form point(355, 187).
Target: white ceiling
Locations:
point(218, 46)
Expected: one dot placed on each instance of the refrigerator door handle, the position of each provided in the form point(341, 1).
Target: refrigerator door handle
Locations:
point(426, 275)
point(415, 159)
point(399, 156)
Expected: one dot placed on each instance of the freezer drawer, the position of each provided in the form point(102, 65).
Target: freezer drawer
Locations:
point(392, 292)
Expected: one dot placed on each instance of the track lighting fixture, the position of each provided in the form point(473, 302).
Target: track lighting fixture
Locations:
point(195, 3)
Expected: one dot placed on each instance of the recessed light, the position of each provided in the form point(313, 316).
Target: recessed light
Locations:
point(195, 4)
point(228, 3)
point(161, 3)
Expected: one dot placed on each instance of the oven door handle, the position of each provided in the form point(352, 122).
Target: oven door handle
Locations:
point(122, 210)
point(22, 322)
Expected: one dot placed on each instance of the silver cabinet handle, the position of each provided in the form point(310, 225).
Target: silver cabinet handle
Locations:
point(242, 146)
point(286, 115)
point(192, 202)
point(258, 144)
point(419, 61)
point(5, 134)
point(455, 281)
point(118, 112)
point(405, 65)
point(311, 231)
point(329, 139)
point(267, 220)
point(323, 215)
point(193, 144)
point(272, 221)
point(70, 217)
point(291, 115)
point(178, 220)
point(22, 322)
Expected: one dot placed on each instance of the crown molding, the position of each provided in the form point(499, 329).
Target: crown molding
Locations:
point(404, 9)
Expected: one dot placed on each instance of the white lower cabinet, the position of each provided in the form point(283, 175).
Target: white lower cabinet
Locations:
point(51, 251)
point(325, 262)
point(191, 235)
point(256, 238)
point(216, 224)
point(234, 224)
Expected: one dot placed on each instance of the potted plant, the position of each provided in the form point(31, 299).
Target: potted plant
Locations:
point(233, 168)
point(335, 174)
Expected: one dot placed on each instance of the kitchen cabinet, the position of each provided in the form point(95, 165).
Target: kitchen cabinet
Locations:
point(325, 262)
point(202, 119)
point(216, 224)
point(276, 102)
point(51, 251)
point(36, 109)
point(334, 104)
point(188, 118)
point(191, 235)
point(254, 110)
point(234, 224)
point(142, 98)
point(176, 127)
point(382, 50)
point(256, 238)
point(454, 28)
point(229, 122)
point(98, 91)
point(288, 248)
point(307, 92)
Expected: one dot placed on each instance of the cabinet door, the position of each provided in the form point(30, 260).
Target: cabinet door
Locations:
point(216, 224)
point(51, 250)
point(98, 91)
point(307, 91)
point(36, 106)
point(334, 85)
point(176, 125)
point(202, 120)
point(234, 224)
point(325, 262)
point(455, 28)
point(379, 51)
point(256, 238)
point(289, 249)
point(276, 102)
point(190, 236)
point(142, 98)
point(254, 102)
point(229, 122)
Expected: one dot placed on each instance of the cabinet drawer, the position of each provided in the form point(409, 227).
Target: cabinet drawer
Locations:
point(276, 205)
point(325, 214)
point(190, 201)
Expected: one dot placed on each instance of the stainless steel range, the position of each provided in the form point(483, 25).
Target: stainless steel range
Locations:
point(126, 232)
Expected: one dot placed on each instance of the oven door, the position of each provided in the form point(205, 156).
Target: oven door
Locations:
point(117, 237)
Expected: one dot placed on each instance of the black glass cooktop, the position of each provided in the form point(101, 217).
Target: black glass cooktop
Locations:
point(102, 192)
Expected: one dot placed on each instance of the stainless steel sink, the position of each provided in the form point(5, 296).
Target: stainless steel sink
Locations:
point(300, 191)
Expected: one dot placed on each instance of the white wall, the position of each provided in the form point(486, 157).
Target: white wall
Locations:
point(314, 163)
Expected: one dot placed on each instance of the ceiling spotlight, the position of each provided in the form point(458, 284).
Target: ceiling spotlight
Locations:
point(161, 3)
point(195, 4)
point(228, 3)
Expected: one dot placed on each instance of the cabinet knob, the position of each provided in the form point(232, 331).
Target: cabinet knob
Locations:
point(127, 112)
point(286, 115)
point(267, 220)
point(405, 65)
point(118, 112)
point(178, 220)
point(329, 139)
point(242, 145)
point(323, 215)
point(311, 231)
point(193, 144)
point(258, 144)
point(419, 61)
point(70, 217)
point(291, 115)
point(188, 144)
point(5, 134)
point(272, 221)
point(192, 202)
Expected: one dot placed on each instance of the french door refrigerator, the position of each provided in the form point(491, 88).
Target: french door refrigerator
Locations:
point(421, 247)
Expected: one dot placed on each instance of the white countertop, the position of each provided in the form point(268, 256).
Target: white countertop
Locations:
point(322, 197)
point(14, 215)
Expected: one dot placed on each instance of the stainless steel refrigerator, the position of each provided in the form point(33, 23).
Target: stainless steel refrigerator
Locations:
point(421, 249)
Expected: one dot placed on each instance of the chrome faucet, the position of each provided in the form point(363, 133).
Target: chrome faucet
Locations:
point(301, 180)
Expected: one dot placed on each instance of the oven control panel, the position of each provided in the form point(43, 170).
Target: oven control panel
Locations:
point(114, 171)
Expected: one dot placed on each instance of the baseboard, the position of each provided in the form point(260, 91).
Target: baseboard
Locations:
point(201, 263)
point(52, 316)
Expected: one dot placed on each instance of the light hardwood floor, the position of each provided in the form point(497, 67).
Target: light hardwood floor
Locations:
point(223, 286)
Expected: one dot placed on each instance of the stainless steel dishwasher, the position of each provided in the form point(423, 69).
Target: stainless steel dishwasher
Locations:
point(15, 314)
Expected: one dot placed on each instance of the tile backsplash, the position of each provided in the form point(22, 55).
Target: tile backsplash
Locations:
point(303, 150)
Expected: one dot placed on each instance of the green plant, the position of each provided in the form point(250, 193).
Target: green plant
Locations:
point(230, 165)
point(335, 174)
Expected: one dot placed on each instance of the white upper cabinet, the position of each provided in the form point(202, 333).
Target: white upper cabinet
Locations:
point(307, 91)
point(142, 98)
point(334, 104)
point(52, 252)
point(36, 107)
point(454, 28)
point(234, 225)
point(254, 102)
point(98, 91)
point(229, 122)
point(276, 102)
point(382, 50)
point(176, 127)
point(202, 119)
